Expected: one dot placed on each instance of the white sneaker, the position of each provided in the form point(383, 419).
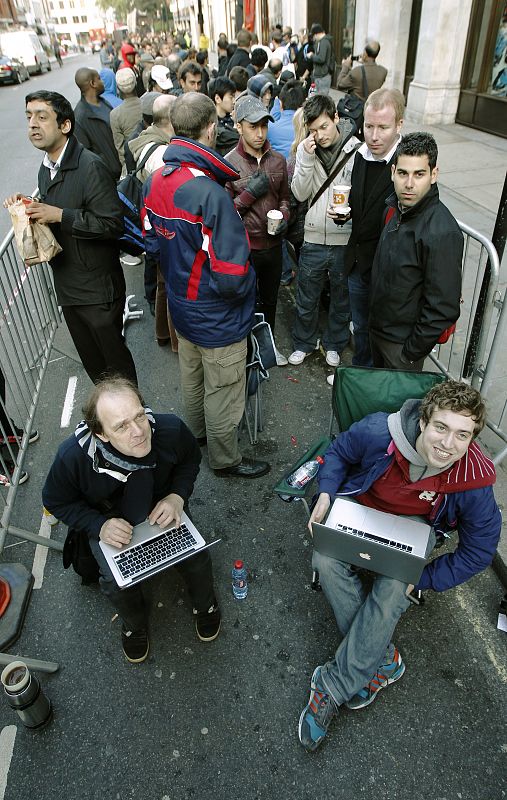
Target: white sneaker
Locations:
point(281, 361)
point(330, 379)
point(332, 358)
point(297, 357)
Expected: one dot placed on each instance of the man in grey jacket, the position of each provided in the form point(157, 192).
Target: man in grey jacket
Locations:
point(326, 146)
point(322, 59)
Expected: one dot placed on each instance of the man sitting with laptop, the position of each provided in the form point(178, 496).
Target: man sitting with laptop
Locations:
point(421, 461)
point(122, 465)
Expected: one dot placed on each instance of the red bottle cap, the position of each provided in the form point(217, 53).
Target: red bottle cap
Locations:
point(319, 459)
point(238, 564)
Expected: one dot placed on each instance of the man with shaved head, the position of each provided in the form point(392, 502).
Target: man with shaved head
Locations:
point(92, 120)
point(351, 80)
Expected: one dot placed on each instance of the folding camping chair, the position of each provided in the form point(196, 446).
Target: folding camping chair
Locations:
point(261, 357)
point(358, 391)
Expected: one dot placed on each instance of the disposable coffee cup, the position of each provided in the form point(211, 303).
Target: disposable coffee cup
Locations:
point(341, 194)
point(274, 219)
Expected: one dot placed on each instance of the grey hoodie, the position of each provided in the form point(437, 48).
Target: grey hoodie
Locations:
point(405, 430)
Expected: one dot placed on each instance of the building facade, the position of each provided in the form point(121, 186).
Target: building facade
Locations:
point(448, 57)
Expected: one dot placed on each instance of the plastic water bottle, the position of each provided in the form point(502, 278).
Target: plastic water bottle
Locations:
point(312, 90)
point(239, 580)
point(304, 474)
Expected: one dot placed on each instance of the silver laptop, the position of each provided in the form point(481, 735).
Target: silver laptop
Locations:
point(391, 545)
point(152, 549)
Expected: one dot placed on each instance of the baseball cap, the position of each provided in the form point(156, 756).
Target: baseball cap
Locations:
point(160, 75)
point(250, 109)
point(125, 80)
point(147, 101)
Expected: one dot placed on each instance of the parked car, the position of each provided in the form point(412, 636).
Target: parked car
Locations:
point(12, 70)
point(26, 47)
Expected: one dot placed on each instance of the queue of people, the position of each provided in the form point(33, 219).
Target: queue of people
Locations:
point(363, 216)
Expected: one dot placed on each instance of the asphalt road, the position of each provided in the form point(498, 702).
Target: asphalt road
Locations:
point(218, 720)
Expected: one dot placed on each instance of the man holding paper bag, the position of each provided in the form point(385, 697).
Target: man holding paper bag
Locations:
point(79, 202)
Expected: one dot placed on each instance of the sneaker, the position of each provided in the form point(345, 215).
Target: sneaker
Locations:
point(130, 261)
point(18, 435)
point(207, 623)
point(330, 379)
point(332, 358)
point(281, 361)
point(6, 479)
point(317, 715)
point(387, 673)
point(298, 356)
point(136, 644)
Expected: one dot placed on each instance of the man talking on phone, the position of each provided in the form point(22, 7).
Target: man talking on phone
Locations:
point(323, 159)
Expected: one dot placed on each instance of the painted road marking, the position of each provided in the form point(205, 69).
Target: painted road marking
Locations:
point(41, 554)
point(7, 739)
point(68, 405)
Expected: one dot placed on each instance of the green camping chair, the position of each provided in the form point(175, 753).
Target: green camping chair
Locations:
point(357, 392)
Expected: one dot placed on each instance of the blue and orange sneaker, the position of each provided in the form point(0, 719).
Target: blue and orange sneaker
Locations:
point(389, 672)
point(317, 715)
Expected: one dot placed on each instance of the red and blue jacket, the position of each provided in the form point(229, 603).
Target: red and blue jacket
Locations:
point(361, 455)
point(198, 237)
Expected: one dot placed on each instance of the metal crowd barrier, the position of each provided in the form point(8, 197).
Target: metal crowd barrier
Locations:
point(453, 357)
point(29, 318)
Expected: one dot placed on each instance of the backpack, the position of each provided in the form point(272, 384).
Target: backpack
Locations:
point(352, 107)
point(130, 192)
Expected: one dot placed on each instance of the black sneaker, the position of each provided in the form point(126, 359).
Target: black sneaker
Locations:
point(207, 623)
point(6, 479)
point(16, 437)
point(136, 644)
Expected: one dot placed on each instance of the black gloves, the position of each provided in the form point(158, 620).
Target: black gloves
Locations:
point(283, 227)
point(258, 185)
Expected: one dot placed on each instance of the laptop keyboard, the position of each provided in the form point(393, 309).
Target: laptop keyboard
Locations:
point(159, 550)
point(406, 548)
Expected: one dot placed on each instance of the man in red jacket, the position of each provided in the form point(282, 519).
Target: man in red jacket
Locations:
point(262, 187)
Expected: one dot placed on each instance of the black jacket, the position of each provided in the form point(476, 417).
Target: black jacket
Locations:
point(240, 58)
point(96, 135)
point(227, 135)
point(416, 276)
point(88, 270)
point(84, 498)
point(367, 216)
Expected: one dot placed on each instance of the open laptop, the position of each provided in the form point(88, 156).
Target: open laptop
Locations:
point(391, 545)
point(152, 549)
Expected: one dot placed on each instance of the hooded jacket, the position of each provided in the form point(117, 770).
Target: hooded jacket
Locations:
point(309, 175)
point(126, 49)
point(140, 146)
point(258, 85)
point(461, 496)
point(195, 232)
point(107, 77)
point(416, 276)
point(86, 483)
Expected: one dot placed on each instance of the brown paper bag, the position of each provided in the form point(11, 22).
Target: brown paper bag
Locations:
point(35, 240)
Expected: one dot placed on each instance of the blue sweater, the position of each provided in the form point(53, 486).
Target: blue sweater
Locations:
point(281, 133)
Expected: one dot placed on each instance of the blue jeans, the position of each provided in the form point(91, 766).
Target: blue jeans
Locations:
point(366, 622)
point(359, 296)
point(315, 261)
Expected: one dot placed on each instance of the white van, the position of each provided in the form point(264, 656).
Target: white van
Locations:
point(25, 46)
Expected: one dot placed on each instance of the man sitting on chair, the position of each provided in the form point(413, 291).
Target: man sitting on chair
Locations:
point(423, 461)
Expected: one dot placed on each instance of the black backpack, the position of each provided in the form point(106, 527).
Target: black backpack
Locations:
point(352, 107)
point(130, 192)
point(77, 553)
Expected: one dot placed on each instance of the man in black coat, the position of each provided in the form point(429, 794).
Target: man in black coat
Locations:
point(241, 56)
point(416, 274)
point(79, 201)
point(371, 185)
point(122, 465)
point(92, 112)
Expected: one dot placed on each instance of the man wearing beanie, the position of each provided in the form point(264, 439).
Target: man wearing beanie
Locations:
point(125, 118)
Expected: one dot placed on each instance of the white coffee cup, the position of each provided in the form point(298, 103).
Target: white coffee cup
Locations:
point(274, 219)
point(341, 194)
